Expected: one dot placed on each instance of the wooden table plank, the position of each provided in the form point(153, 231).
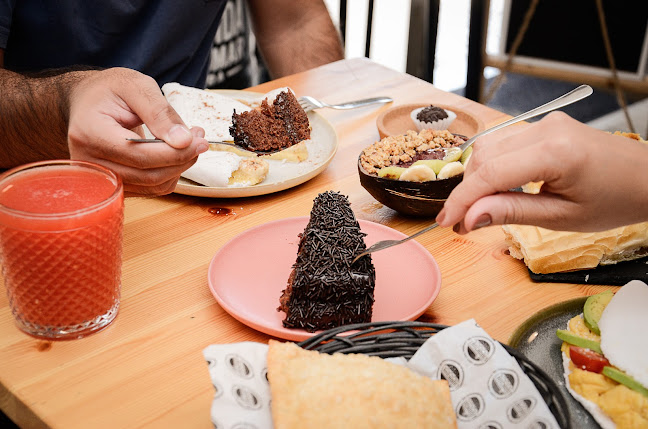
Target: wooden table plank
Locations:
point(147, 370)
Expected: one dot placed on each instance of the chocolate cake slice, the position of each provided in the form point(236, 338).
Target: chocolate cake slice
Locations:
point(272, 127)
point(325, 289)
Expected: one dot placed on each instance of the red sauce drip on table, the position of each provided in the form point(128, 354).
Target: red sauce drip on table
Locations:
point(220, 211)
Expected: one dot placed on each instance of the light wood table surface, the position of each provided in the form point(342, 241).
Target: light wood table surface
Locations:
point(147, 368)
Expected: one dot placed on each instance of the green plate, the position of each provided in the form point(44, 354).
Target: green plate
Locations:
point(536, 340)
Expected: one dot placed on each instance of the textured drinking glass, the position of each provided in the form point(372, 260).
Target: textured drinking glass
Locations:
point(61, 227)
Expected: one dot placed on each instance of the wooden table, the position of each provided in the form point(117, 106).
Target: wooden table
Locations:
point(147, 368)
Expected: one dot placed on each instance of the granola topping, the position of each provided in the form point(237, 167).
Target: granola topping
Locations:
point(403, 149)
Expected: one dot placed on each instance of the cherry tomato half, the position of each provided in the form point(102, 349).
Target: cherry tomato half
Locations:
point(587, 359)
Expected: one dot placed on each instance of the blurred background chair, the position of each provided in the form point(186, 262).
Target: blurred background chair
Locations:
point(559, 44)
point(551, 43)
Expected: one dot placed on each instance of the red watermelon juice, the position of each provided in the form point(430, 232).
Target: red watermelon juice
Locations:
point(61, 225)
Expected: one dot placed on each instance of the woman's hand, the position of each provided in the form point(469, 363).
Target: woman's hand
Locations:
point(592, 180)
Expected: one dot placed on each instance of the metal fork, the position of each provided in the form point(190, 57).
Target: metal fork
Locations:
point(309, 103)
point(389, 243)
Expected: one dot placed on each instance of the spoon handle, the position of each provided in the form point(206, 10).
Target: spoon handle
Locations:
point(564, 100)
point(360, 103)
point(230, 144)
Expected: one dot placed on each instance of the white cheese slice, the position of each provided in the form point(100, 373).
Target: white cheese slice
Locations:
point(623, 325)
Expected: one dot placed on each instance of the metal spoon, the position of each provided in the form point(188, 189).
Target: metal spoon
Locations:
point(230, 144)
point(569, 98)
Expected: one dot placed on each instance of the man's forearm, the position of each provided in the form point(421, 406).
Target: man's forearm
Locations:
point(34, 116)
point(295, 36)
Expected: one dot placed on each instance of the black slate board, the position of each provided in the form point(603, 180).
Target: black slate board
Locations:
point(616, 275)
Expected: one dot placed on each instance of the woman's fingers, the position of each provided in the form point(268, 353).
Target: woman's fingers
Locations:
point(592, 180)
point(495, 176)
point(546, 210)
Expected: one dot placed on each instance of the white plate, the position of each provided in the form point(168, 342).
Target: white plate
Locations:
point(281, 175)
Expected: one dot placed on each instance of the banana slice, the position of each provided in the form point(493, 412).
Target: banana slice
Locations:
point(451, 169)
point(418, 173)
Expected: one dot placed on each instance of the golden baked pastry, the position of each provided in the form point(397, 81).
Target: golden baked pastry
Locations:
point(316, 390)
point(633, 136)
point(545, 251)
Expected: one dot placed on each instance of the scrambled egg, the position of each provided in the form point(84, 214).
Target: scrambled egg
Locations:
point(627, 408)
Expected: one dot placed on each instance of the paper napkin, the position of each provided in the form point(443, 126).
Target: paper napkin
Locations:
point(487, 385)
point(239, 375)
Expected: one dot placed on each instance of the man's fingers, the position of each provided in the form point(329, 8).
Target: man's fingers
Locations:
point(110, 143)
point(149, 178)
point(198, 132)
point(143, 96)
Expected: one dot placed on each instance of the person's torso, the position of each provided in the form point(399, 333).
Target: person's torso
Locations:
point(169, 40)
point(235, 62)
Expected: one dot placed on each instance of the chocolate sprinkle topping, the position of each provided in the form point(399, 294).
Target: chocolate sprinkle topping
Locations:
point(325, 289)
point(431, 114)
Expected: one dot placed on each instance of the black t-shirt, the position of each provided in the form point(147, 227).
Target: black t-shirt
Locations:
point(169, 40)
point(235, 63)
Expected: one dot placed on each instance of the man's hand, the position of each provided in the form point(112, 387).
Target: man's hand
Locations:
point(109, 106)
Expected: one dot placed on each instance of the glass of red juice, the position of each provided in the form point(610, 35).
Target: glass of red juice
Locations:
point(61, 228)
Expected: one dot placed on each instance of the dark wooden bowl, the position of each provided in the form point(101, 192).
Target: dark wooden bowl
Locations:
point(424, 199)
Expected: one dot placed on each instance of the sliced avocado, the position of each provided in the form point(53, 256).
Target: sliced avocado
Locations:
point(465, 155)
point(623, 378)
point(570, 338)
point(593, 309)
point(434, 164)
point(391, 172)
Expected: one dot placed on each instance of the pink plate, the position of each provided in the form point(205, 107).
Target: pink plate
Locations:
point(249, 272)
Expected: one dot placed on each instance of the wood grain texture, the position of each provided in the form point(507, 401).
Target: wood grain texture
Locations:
point(147, 368)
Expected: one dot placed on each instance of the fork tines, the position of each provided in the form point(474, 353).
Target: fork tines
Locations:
point(305, 104)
